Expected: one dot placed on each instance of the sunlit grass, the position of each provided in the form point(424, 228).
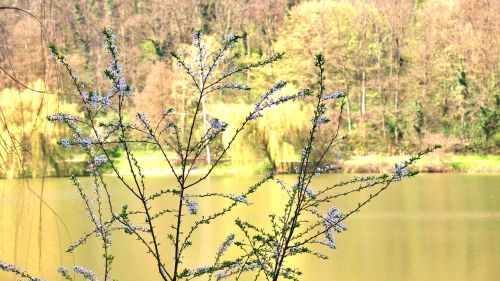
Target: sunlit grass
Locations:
point(474, 162)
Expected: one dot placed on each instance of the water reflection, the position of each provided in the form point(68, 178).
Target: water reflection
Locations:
point(434, 227)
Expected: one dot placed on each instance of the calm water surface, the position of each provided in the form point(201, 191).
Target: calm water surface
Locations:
point(433, 227)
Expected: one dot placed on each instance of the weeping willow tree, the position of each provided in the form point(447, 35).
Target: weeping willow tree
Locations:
point(27, 139)
point(279, 130)
point(276, 133)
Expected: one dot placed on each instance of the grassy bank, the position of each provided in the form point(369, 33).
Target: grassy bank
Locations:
point(444, 163)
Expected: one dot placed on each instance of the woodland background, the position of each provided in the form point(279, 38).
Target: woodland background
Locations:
point(417, 73)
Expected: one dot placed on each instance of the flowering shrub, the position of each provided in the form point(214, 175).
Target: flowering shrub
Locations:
point(104, 126)
point(97, 137)
point(293, 232)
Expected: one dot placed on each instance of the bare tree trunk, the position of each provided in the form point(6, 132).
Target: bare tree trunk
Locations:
point(348, 104)
point(379, 82)
point(363, 92)
point(228, 21)
point(363, 72)
point(396, 96)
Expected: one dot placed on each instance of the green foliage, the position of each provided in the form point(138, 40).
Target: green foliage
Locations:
point(490, 118)
point(419, 122)
point(155, 50)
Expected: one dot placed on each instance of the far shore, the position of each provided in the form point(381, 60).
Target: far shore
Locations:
point(445, 163)
point(153, 165)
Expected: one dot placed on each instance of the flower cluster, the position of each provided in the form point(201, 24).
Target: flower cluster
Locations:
point(110, 41)
point(230, 40)
point(64, 118)
point(306, 150)
point(321, 120)
point(182, 64)
point(71, 248)
point(400, 172)
point(192, 206)
point(64, 143)
point(231, 71)
point(82, 141)
point(93, 100)
point(89, 275)
point(228, 43)
point(334, 219)
point(112, 127)
point(267, 102)
point(201, 52)
point(144, 120)
point(217, 125)
point(333, 222)
point(199, 270)
point(231, 85)
point(221, 275)
point(119, 86)
point(241, 199)
point(254, 115)
point(99, 160)
point(251, 266)
point(225, 245)
point(330, 239)
point(12, 268)
point(273, 89)
point(306, 189)
point(64, 272)
point(324, 169)
point(333, 95)
point(72, 72)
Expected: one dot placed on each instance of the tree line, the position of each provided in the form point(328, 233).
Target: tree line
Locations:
point(416, 72)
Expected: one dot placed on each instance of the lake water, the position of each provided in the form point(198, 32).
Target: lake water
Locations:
point(432, 227)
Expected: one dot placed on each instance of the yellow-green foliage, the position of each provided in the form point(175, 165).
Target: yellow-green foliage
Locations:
point(27, 138)
point(327, 27)
point(276, 132)
point(280, 128)
point(242, 150)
